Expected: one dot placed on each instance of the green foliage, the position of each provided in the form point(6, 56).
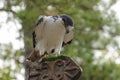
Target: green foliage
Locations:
point(90, 23)
point(52, 58)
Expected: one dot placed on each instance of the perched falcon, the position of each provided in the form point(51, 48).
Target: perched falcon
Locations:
point(52, 33)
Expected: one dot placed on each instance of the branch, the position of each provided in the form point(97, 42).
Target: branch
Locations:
point(7, 10)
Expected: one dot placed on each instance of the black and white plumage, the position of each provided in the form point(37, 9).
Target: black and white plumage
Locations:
point(52, 33)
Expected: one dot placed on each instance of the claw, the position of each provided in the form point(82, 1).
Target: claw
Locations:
point(45, 55)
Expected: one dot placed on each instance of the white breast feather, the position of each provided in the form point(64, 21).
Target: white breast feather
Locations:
point(50, 35)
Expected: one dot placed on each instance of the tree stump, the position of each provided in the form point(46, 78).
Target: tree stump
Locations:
point(59, 68)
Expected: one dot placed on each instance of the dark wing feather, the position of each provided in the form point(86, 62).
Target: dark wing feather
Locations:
point(34, 41)
point(39, 21)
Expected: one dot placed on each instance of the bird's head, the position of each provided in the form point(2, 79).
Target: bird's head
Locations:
point(67, 20)
point(69, 25)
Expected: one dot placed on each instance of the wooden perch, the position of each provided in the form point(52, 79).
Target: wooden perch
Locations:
point(56, 68)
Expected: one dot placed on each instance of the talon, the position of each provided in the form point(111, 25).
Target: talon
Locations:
point(46, 54)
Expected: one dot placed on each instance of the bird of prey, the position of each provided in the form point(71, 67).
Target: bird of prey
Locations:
point(52, 33)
